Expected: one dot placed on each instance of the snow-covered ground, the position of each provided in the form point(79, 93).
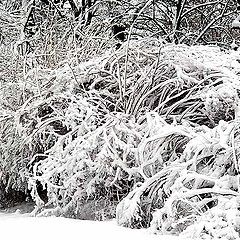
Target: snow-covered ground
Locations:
point(23, 227)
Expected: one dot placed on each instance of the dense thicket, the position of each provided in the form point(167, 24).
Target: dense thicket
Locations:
point(110, 109)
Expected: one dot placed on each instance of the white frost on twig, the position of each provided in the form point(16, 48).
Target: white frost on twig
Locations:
point(236, 23)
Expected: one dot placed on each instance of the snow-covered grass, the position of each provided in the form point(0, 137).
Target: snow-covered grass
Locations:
point(23, 227)
point(151, 130)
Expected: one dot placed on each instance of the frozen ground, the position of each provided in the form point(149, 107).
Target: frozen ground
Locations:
point(23, 227)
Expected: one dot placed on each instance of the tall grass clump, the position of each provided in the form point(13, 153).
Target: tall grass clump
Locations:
point(147, 133)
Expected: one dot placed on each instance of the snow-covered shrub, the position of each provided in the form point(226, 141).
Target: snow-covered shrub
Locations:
point(139, 130)
point(31, 120)
point(221, 222)
point(192, 183)
point(89, 163)
point(175, 81)
point(13, 152)
point(220, 103)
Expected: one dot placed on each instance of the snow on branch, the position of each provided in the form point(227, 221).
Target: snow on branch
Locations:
point(236, 22)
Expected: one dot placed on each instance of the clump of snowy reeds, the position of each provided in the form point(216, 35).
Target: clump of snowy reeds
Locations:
point(177, 81)
point(31, 120)
point(92, 163)
point(89, 163)
point(200, 177)
point(221, 222)
point(139, 126)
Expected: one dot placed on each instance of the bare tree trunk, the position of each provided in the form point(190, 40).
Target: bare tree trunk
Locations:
point(84, 10)
point(177, 27)
point(178, 15)
point(74, 8)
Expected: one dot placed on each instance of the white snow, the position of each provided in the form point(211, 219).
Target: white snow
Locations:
point(23, 227)
point(236, 22)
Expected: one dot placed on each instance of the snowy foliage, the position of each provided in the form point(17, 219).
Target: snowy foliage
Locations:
point(151, 130)
point(137, 127)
